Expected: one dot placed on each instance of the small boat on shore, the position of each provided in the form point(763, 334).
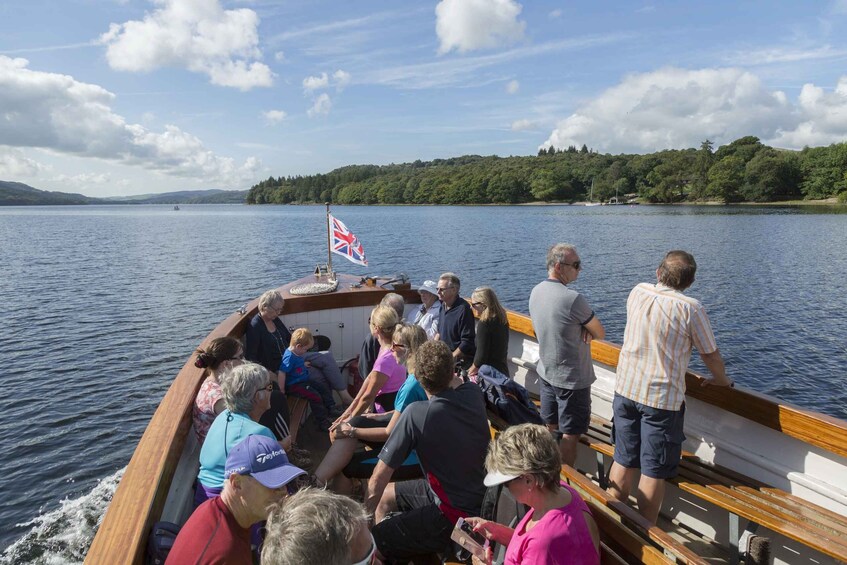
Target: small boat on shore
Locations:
point(753, 465)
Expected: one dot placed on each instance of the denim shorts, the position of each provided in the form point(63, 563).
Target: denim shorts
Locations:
point(569, 410)
point(647, 438)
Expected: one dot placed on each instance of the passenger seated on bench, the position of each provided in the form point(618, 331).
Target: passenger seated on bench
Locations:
point(370, 347)
point(256, 474)
point(222, 354)
point(373, 429)
point(267, 337)
point(294, 379)
point(386, 376)
point(320, 527)
point(492, 331)
point(246, 392)
point(450, 435)
point(559, 527)
point(426, 315)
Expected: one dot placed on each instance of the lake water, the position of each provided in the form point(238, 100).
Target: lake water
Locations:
point(102, 305)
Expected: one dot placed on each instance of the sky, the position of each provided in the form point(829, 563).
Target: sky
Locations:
point(123, 97)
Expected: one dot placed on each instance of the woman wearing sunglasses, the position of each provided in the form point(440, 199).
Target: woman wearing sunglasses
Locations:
point(222, 354)
point(492, 331)
point(373, 429)
point(246, 394)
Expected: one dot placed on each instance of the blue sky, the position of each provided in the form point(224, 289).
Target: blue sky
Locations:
point(111, 97)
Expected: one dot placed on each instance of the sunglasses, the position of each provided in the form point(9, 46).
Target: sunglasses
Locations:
point(477, 304)
point(576, 264)
point(396, 346)
point(370, 558)
point(443, 290)
point(268, 388)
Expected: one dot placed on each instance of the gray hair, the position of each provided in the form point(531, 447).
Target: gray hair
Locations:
point(269, 298)
point(313, 526)
point(395, 301)
point(527, 449)
point(558, 253)
point(241, 384)
point(451, 278)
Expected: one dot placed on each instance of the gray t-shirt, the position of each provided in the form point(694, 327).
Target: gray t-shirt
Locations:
point(558, 314)
point(450, 434)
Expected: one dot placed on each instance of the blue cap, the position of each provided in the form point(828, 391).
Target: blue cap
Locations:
point(263, 459)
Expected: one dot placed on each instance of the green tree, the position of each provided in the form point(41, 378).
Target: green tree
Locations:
point(725, 179)
point(542, 185)
point(771, 175)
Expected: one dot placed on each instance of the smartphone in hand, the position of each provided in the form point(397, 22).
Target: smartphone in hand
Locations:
point(474, 542)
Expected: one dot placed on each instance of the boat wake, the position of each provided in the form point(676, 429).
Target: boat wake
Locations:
point(63, 535)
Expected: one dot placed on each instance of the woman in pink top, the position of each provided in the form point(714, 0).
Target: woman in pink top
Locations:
point(222, 354)
point(558, 529)
point(386, 377)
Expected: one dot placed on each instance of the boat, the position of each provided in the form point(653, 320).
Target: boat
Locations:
point(591, 196)
point(753, 465)
point(176, 208)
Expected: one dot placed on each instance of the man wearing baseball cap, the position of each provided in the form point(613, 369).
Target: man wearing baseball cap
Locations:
point(256, 474)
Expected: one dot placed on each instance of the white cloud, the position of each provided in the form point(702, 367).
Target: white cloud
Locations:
point(523, 125)
point(512, 86)
point(58, 113)
point(466, 25)
point(14, 164)
point(198, 35)
point(83, 179)
point(784, 55)
point(321, 107)
point(315, 82)
point(823, 117)
point(555, 14)
point(677, 108)
point(340, 79)
point(273, 117)
point(279, 56)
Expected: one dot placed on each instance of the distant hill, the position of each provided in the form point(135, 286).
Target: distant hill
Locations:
point(210, 196)
point(20, 194)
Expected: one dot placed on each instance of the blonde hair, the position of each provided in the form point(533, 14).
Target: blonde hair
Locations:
point(527, 449)
point(412, 336)
point(492, 309)
point(302, 336)
point(385, 319)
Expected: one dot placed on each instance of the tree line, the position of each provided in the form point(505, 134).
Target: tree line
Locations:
point(745, 170)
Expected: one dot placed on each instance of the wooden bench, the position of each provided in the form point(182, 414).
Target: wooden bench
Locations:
point(630, 518)
point(742, 497)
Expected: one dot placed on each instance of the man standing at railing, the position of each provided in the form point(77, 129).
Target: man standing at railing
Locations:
point(564, 325)
point(662, 326)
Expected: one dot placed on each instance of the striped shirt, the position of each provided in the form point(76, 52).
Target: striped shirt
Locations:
point(662, 325)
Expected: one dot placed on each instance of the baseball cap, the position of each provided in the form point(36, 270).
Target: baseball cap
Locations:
point(263, 459)
point(430, 287)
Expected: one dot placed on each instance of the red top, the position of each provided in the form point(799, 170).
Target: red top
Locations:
point(211, 536)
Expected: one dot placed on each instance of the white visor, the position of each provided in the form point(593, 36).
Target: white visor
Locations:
point(494, 478)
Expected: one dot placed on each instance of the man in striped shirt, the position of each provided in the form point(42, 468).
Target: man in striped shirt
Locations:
point(662, 326)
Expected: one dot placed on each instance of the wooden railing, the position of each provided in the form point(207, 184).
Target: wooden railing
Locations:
point(813, 428)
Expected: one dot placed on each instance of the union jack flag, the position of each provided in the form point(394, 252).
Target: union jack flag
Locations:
point(345, 243)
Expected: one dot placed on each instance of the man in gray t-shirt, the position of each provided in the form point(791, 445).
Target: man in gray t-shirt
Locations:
point(564, 325)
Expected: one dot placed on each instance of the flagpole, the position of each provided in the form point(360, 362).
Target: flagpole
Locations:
point(330, 274)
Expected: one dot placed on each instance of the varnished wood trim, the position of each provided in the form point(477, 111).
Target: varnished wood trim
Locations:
point(814, 428)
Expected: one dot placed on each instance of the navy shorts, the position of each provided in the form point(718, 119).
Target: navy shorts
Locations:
point(568, 409)
point(647, 438)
